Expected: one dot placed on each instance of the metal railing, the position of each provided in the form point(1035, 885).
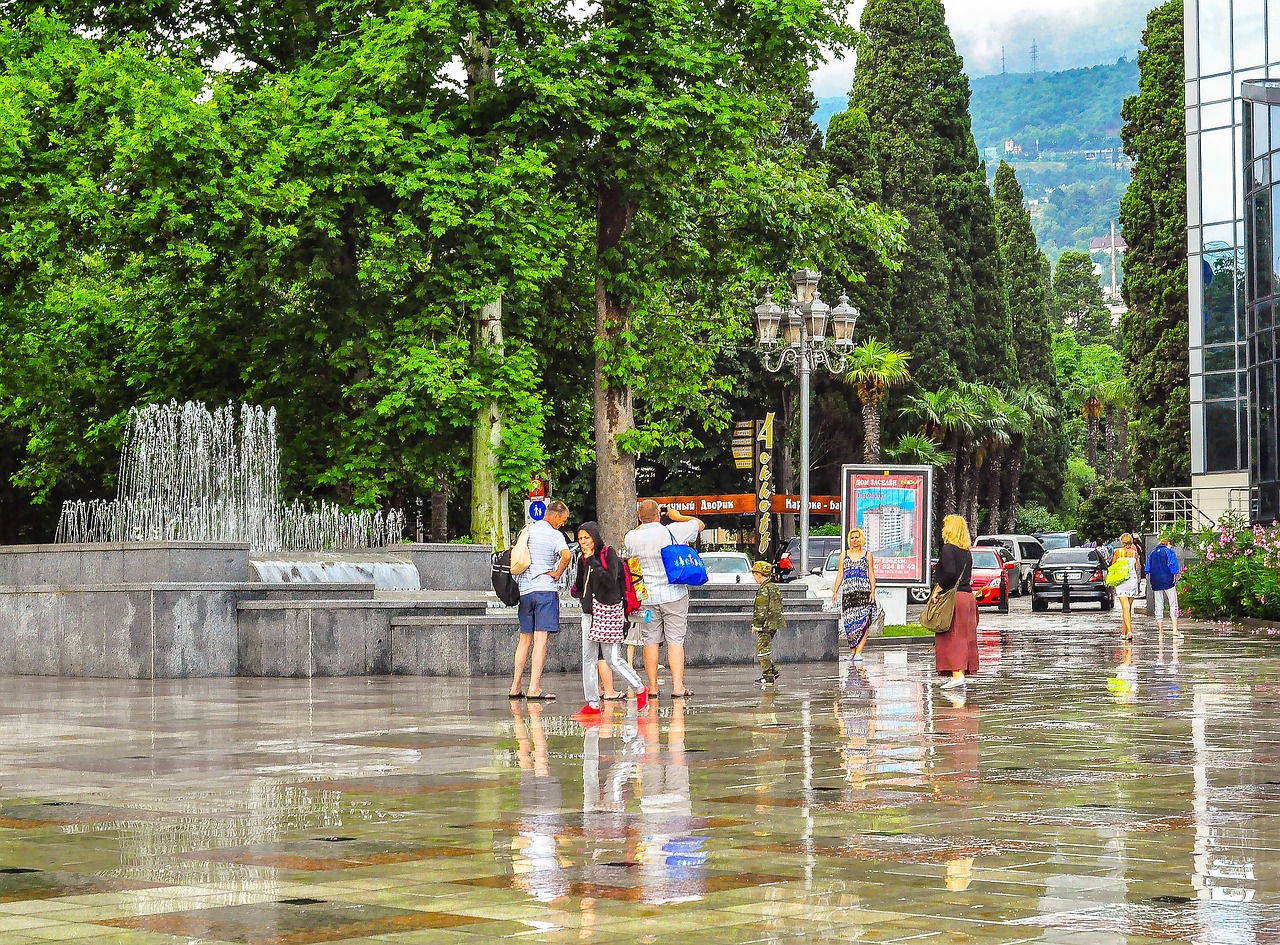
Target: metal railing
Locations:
point(1172, 506)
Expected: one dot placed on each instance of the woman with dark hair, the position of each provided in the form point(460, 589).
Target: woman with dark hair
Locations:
point(602, 588)
point(956, 651)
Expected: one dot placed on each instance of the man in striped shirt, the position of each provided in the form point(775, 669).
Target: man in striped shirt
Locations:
point(540, 597)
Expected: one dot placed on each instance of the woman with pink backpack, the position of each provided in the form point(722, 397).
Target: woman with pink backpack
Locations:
point(602, 588)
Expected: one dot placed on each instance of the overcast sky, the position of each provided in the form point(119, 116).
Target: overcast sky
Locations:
point(1083, 33)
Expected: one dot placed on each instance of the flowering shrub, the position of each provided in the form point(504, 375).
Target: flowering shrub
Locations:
point(1238, 574)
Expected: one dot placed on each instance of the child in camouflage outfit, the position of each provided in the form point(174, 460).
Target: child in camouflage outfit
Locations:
point(766, 621)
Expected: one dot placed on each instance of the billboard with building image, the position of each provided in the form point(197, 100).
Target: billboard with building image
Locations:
point(893, 505)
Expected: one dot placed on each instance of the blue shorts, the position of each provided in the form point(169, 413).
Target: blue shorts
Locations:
point(540, 611)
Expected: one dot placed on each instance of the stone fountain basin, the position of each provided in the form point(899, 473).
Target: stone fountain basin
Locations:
point(388, 572)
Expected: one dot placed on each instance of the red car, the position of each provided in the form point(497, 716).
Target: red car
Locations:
point(991, 577)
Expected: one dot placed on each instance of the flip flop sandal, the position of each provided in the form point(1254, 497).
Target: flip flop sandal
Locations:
point(682, 695)
point(652, 694)
point(515, 695)
point(542, 697)
point(620, 697)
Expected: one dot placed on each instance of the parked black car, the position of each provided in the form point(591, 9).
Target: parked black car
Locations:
point(819, 547)
point(1082, 572)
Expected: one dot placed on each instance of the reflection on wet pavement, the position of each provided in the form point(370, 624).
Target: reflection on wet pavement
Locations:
point(1079, 791)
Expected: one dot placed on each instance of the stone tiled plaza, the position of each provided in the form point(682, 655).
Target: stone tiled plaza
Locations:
point(1078, 793)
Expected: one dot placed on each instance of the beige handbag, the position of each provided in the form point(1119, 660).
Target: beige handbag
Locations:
point(521, 560)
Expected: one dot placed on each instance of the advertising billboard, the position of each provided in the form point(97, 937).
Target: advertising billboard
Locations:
point(893, 505)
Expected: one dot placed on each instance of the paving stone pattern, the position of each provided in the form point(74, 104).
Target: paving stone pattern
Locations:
point(1079, 792)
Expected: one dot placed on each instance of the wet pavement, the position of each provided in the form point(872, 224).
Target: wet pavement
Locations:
point(1080, 792)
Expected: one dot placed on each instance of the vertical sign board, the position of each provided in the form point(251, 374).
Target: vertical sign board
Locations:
point(764, 485)
point(893, 506)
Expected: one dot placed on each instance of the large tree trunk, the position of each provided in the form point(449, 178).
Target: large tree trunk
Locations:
point(1111, 442)
point(994, 472)
point(947, 476)
point(440, 509)
point(1011, 495)
point(490, 504)
point(1091, 442)
point(870, 431)
point(964, 479)
point(971, 508)
point(1122, 433)
point(613, 405)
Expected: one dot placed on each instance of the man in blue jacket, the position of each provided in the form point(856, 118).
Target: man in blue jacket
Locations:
point(1162, 572)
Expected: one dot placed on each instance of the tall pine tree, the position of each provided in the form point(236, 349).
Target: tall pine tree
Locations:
point(946, 305)
point(1153, 218)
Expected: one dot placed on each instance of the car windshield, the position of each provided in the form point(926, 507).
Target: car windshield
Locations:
point(1069, 556)
point(982, 558)
point(726, 564)
point(833, 561)
point(1052, 542)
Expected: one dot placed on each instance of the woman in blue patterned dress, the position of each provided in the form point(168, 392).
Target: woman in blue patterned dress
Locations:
point(855, 594)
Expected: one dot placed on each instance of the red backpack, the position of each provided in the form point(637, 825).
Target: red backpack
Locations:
point(630, 600)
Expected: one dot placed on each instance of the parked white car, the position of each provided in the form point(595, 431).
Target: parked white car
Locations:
point(728, 567)
point(823, 582)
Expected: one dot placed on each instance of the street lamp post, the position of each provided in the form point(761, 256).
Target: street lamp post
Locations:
point(805, 345)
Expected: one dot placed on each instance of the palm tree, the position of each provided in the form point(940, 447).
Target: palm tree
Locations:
point(930, 409)
point(1117, 398)
point(1038, 410)
point(966, 416)
point(917, 450)
point(873, 368)
point(1004, 419)
point(1092, 410)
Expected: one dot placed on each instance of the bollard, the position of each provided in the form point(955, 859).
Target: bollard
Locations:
point(1066, 594)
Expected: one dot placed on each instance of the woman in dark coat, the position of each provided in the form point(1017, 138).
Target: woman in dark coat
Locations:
point(602, 588)
point(956, 652)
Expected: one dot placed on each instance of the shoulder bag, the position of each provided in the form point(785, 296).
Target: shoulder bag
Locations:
point(940, 610)
point(521, 560)
point(1118, 573)
point(683, 564)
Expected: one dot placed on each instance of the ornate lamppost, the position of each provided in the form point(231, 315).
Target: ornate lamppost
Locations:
point(804, 346)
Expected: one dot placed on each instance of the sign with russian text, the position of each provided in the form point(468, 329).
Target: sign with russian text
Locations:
point(894, 508)
point(764, 485)
point(745, 503)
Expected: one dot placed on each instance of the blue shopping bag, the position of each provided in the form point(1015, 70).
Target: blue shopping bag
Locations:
point(683, 564)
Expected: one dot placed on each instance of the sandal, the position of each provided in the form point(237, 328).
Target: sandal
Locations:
point(620, 697)
point(515, 695)
point(682, 695)
point(542, 697)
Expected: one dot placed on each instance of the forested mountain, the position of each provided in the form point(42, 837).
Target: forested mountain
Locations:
point(1061, 131)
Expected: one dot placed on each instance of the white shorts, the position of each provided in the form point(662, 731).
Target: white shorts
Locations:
point(1171, 596)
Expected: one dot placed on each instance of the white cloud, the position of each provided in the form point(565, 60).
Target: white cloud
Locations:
point(1085, 33)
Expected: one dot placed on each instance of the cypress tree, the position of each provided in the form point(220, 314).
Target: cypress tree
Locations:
point(1153, 219)
point(946, 304)
point(1025, 290)
point(1026, 275)
point(851, 160)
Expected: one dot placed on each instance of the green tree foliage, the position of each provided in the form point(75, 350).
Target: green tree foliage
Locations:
point(1078, 303)
point(1113, 509)
point(315, 229)
point(947, 298)
point(308, 239)
point(1153, 218)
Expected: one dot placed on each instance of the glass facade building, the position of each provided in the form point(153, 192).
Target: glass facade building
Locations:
point(1228, 42)
point(1260, 101)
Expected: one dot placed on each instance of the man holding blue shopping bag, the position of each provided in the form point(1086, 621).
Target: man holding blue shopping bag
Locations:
point(669, 566)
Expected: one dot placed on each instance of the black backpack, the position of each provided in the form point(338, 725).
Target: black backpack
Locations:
point(504, 585)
